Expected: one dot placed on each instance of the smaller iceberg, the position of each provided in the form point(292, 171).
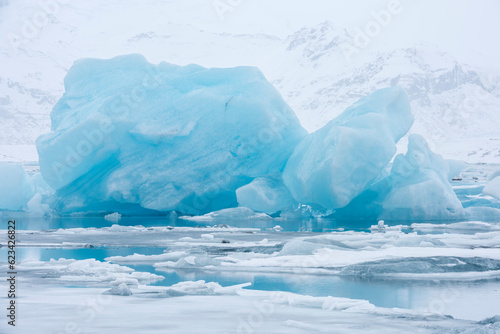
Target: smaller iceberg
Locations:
point(492, 188)
point(420, 189)
point(333, 165)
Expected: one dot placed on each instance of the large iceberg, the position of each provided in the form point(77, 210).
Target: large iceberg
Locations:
point(129, 135)
point(333, 165)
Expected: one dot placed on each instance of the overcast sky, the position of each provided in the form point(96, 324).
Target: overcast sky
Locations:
point(463, 27)
point(459, 26)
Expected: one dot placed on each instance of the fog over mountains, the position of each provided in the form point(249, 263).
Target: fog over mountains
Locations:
point(456, 103)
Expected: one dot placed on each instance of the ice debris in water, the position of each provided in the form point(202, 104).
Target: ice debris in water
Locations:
point(114, 217)
point(121, 289)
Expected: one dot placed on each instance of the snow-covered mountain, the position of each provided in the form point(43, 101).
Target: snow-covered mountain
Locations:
point(456, 105)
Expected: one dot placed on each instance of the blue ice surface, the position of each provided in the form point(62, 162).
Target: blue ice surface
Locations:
point(266, 194)
point(141, 139)
point(335, 164)
point(133, 137)
point(417, 188)
point(420, 186)
point(16, 188)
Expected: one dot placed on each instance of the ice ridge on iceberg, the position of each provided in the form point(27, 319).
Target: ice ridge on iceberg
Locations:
point(420, 187)
point(333, 165)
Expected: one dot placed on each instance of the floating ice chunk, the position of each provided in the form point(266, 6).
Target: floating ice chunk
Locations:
point(265, 195)
point(482, 213)
point(229, 214)
point(163, 137)
point(493, 188)
point(114, 217)
point(140, 258)
point(336, 163)
point(121, 289)
point(420, 187)
point(16, 188)
point(89, 271)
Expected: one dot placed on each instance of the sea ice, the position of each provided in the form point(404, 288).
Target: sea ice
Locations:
point(163, 137)
point(336, 163)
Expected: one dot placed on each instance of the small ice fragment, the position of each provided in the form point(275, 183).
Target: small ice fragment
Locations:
point(114, 217)
point(121, 289)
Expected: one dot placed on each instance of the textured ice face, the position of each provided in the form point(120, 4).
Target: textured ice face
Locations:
point(16, 188)
point(420, 187)
point(163, 137)
point(333, 165)
point(265, 194)
point(493, 188)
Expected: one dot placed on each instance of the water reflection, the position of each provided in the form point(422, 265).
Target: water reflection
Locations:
point(289, 225)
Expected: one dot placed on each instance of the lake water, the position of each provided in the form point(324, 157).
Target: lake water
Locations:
point(468, 300)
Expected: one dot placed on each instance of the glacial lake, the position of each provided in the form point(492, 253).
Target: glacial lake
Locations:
point(467, 300)
point(474, 300)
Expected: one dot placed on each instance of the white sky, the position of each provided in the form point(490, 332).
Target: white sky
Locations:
point(459, 26)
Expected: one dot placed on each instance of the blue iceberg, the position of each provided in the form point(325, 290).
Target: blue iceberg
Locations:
point(420, 189)
point(134, 138)
point(335, 164)
point(128, 136)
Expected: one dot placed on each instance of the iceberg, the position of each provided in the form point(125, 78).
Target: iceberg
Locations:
point(268, 195)
point(492, 188)
point(131, 136)
point(333, 165)
point(16, 187)
point(420, 189)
